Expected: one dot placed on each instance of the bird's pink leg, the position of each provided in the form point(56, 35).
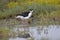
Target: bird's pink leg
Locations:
point(25, 24)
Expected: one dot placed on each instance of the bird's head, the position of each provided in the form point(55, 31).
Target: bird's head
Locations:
point(31, 10)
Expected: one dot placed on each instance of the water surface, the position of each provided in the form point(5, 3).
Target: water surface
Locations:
point(52, 32)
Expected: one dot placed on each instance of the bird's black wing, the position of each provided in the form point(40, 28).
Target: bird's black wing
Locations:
point(24, 14)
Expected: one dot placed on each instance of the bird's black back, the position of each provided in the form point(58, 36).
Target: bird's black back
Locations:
point(24, 14)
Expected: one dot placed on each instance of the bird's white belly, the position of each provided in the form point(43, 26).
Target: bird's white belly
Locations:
point(21, 17)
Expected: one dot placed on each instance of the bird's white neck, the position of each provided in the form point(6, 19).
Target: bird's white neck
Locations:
point(30, 13)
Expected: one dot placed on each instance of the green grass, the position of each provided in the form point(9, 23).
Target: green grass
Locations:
point(43, 10)
point(3, 32)
point(38, 9)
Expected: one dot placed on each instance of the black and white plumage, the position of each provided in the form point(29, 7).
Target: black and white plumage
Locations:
point(24, 15)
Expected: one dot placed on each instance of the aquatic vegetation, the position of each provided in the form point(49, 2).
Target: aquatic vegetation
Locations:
point(3, 32)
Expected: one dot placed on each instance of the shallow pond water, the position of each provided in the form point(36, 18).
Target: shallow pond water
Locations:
point(52, 32)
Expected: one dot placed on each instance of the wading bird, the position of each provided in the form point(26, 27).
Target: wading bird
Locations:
point(24, 16)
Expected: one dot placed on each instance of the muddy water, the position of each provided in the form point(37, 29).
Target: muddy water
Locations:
point(52, 32)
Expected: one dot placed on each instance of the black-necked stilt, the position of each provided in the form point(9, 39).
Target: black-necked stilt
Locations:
point(25, 15)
